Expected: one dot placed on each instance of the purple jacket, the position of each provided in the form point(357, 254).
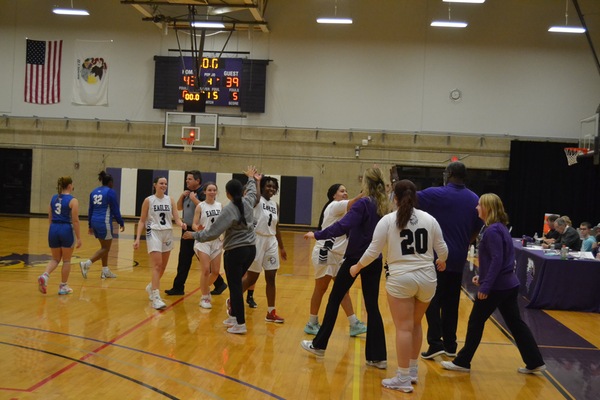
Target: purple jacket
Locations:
point(358, 224)
point(496, 260)
point(453, 206)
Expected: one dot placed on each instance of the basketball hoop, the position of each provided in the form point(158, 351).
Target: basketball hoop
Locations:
point(188, 143)
point(573, 152)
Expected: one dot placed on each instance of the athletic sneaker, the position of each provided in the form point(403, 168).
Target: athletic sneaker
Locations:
point(220, 289)
point(453, 367)
point(157, 302)
point(149, 290)
point(231, 321)
point(237, 329)
point(205, 302)
point(431, 353)
point(526, 370)
point(308, 346)
point(42, 283)
point(64, 289)
point(84, 268)
point(401, 383)
point(251, 302)
point(414, 374)
point(312, 329)
point(382, 364)
point(228, 306)
point(357, 328)
point(273, 317)
point(107, 274)
point(449, 354)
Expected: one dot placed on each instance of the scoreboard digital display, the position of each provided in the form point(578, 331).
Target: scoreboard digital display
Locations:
point(220, 82)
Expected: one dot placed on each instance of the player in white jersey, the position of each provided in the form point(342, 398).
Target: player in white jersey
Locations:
point(327, 257)
point(268, 244)
point(411, 236)
point(209, 253)
point(158, 211)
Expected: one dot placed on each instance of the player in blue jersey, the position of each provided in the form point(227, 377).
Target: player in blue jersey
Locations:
point(102, 209)
point(63, 234)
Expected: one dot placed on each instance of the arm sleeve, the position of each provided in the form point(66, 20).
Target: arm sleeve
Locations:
point(378, 242)
point(90, 210)
point(114, 207)
point(220, 225)
point(495, 264)
point(342, 227)
point(439, 244)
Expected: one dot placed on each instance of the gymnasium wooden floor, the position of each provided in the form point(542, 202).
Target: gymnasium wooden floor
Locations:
point(105, 341)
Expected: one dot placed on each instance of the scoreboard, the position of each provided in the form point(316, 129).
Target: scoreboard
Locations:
point(222, 82)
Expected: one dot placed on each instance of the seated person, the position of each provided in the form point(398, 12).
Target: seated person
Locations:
point(552, 234)
point(568, 236)
point(588, 241)
point(567, 220)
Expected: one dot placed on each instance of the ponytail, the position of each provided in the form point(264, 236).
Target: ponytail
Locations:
point(235, 190)
point(406, 198)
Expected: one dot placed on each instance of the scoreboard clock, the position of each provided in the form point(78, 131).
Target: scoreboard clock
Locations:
point(222, 82)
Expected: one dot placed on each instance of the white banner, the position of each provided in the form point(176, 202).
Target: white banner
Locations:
point(91, 64)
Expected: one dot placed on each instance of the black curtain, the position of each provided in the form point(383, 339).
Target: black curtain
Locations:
point(540, 181)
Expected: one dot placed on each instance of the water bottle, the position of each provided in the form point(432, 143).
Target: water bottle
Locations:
point(536, 238)
point(564, 252)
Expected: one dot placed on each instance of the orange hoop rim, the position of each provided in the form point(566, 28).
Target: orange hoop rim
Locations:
point(581, 150)
point(187, 140)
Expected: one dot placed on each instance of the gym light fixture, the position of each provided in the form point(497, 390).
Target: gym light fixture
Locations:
point(465, 1)
point(449, 23)
point(566, 28)
point(208, 24)
point(335, 19)
point(69, 11)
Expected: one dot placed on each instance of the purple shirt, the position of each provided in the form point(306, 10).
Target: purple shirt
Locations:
point(358, 224)
point(496, 260)
point(453, 206)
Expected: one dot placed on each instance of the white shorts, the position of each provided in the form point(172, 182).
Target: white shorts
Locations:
point(213, 248)
point(161, 241)
point(419, 284)
point(267, 254)
point(328, 266)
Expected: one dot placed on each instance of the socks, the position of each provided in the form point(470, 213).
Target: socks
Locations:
point(250, 293)
point(313, 319)
point(352, 319)
point(270, 309)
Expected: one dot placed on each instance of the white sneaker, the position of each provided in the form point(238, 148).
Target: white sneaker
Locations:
point(205, 302)
point(231, 321)
point(378, 364)
point(157, 302)
point(526, 370)
point(401, 383)
point(149, 290)
point(84, 268)
point(453, 367)
point(237, 329)
point(414, 374)
point(308, 346)
point(107, 274)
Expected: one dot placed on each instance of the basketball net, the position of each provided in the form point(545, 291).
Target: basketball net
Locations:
point(573, 152)
point(188, 143)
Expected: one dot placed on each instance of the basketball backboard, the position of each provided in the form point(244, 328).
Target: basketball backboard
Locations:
point(181, 125)
point(589, 137)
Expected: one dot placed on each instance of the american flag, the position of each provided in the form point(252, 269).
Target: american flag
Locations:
point(42, 71)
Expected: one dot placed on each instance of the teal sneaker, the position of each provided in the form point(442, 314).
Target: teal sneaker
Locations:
point(357, 328)
point(312, 329)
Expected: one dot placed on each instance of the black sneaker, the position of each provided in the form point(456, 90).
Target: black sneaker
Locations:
point(174, 292)
point(251, 302)
point(219, 290)
point(431, 353)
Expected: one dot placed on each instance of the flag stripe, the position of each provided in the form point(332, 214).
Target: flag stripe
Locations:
point(42, 71)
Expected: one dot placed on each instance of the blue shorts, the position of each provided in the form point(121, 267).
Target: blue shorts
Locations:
point(102, 230)
point(60, 235)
